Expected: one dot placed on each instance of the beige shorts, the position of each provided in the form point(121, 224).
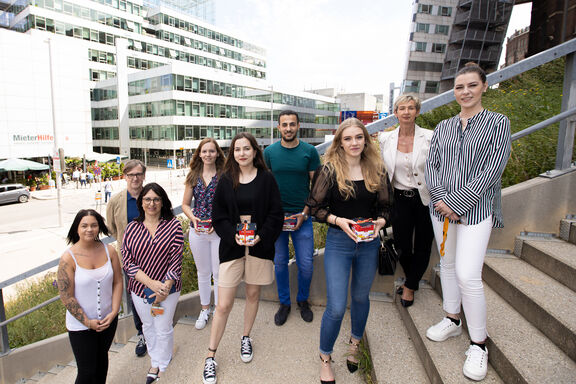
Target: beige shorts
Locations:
point(253, 270)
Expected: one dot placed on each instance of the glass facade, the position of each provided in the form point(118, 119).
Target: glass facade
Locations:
point(212, 87)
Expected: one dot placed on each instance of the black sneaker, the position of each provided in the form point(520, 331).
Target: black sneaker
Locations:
point(282, 315)
point(246, 353)
point(209, 373)
point(305, 311)
point(140, 349)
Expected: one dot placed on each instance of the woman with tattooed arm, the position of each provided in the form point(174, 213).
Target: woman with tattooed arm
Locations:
point(90, 286)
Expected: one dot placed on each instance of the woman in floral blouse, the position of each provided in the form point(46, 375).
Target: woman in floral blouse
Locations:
point(205, 168)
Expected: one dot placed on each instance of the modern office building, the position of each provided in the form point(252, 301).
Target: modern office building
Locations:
point(30, 102)
point(446, 34)
point(431, 26)
point(163, 113)
point(222, 73)
point(477, 35)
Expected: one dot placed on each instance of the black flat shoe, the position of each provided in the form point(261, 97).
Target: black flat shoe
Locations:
point(406, 303)
point(352, 366)
point(327, 362)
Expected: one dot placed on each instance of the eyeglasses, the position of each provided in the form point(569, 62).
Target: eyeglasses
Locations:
point(155, 200)
point(134, 175)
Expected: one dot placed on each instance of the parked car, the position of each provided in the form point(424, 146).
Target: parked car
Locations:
point(10, 193)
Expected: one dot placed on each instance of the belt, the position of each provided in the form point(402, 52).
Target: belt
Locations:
point(406, 192)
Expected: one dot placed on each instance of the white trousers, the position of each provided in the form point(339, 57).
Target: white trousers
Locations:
point(461, 272)
point(158, 330)
point(204, 249)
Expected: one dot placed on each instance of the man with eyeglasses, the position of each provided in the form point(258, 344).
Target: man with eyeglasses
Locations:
point(121, 210)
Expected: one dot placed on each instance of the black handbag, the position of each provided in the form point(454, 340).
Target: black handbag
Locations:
point(387, 255)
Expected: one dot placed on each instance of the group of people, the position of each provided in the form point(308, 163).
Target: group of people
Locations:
point(243, 209)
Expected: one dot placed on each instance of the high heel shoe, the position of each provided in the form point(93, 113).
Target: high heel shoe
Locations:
point(326, 362)
point(352, 365)
point(405, 303)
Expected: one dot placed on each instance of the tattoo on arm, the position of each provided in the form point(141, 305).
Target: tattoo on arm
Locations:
point(68, 299)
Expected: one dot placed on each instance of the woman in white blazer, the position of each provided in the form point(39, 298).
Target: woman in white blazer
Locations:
point(404, 151)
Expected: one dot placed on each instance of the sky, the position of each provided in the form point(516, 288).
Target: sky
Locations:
point(353, 46)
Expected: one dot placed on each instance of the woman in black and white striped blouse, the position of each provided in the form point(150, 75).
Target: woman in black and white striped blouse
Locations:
point(468, 154)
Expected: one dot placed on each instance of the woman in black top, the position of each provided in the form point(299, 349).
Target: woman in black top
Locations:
point(247, 193)
point(351, 185)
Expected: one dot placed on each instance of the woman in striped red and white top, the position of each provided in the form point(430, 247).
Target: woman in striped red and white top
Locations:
point(152, 254)
point(468, 154)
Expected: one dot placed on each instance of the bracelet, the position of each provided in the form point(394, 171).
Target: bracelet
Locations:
point(336, 221)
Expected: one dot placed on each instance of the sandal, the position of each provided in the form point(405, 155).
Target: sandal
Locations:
point(152, 377)
point(326, 362)
point(352, 365)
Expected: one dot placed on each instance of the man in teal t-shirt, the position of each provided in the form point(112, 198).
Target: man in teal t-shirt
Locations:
point(293, 163)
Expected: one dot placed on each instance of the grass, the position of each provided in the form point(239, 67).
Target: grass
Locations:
point(41, 324)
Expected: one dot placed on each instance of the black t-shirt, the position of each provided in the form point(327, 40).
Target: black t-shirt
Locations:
point(245, 194)
point(359, 206)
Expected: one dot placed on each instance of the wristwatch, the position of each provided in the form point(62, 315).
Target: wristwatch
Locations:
point(305, 216)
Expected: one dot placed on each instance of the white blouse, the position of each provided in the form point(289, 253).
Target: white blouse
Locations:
point(403, 173)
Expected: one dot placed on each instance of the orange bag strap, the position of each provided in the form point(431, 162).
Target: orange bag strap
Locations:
point(444, 234)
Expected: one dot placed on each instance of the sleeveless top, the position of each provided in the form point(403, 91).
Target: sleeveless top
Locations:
point(93, 291)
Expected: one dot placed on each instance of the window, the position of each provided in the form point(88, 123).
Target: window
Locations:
point(431, 87)
point(420, 27)
point(438, 48)
point(424, 8)
point(444, 11)
point(412, 86)
point(442, 29)
point(420, 46)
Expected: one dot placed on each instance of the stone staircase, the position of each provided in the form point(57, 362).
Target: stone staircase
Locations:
point(531, 303)
point(531, 321)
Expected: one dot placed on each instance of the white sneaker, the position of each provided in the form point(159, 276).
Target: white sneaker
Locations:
point(203, 318)
point(476, 365)
point(246, 352)
point(443, 330)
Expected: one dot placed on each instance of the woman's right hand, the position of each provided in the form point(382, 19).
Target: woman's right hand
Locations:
point(344, 225)
point(194, 223)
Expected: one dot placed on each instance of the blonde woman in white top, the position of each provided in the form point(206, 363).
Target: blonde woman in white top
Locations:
point(404, 151)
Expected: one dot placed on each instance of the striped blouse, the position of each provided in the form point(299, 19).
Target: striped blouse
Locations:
point(160, 258)
point(464, 167)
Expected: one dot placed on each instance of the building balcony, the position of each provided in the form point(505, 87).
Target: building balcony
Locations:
point(477, 35)
point(483, 15)
point(472, 54)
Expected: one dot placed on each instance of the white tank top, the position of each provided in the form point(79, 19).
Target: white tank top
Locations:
point(93, 291)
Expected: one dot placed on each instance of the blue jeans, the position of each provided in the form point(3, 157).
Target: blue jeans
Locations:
point(341, 255)
point(303, 240)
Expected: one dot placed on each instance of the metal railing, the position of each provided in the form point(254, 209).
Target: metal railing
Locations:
point(564, 149)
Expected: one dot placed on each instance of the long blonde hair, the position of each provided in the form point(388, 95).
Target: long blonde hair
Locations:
point(370, 161)
point(197, 165)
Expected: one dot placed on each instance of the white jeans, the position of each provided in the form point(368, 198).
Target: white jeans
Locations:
point(461, 272)
point(158, 331)
point(204, 249)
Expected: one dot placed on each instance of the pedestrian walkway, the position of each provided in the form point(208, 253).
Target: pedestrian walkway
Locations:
point(287, 354)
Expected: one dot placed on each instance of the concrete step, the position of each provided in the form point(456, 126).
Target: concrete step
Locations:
point(519, 352)
point(442, 361)
point(552, 256)
point(394, 356)
point(60, 374)
point(544, 302)
point(568, 230)
point(281, 354)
